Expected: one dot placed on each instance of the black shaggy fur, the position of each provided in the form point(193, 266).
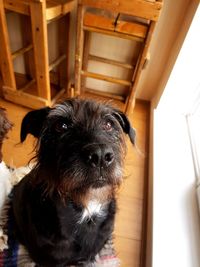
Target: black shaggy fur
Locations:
point(79, 158)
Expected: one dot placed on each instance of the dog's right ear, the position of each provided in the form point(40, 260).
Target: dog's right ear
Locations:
point(125, 124)
point(32, 122)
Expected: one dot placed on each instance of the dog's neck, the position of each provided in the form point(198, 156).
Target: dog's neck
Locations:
point(101, 194)
point(95, 202)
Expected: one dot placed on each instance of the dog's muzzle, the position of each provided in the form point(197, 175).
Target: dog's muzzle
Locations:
point(98, 155)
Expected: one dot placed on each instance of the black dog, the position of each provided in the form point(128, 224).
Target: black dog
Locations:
point(64, 208)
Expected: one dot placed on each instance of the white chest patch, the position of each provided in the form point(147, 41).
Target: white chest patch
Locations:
point(93, 208)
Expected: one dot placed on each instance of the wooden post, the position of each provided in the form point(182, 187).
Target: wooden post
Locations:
point(87, 41)
point(79, 49)
point(40, 44)
point(64, 38)
point(25, 25)
point(6, 64)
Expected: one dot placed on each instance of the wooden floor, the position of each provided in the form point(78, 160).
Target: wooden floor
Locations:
point(129, 241)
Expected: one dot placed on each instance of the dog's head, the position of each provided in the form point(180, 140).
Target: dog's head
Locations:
point(80, 144)
point(5, 126)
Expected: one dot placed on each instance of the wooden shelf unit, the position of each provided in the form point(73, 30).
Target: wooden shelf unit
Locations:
point(35, 16)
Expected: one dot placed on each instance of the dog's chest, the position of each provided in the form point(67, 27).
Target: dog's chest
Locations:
point(93, 209)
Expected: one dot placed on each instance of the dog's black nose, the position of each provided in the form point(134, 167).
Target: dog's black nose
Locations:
point(98, 155)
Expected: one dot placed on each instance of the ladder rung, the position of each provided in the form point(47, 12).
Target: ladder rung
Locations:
point(105, 94)
point(105, 78)
point(22, 51)
point(111, 61)
point(56, 62)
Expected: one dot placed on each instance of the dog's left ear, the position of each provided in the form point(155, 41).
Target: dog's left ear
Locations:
point(32, 123)
point(125, 124)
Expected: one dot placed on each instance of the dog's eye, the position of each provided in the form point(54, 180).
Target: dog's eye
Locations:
point(61, 127)
point(107, 126)
point(64, 126)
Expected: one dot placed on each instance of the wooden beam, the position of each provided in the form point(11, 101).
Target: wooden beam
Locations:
point(58, 8)
point(54, 19)
point(102, 22)
point(138, 71)
point(113, 33)
point(27, 2)
point(140, 8)
point(111, 62)
point(17, 6)
point(6, 64)
point(40, 43)
point(24, 99)
point(135, 29)
point(22, 51)
point(53, 10)
point(79, 49)
point(105, 78)
point(68, 6)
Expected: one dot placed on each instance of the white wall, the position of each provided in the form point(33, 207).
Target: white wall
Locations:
point(176, 221)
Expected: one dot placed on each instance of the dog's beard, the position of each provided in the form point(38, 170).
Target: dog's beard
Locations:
point(76, 182)
point(73, 179)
